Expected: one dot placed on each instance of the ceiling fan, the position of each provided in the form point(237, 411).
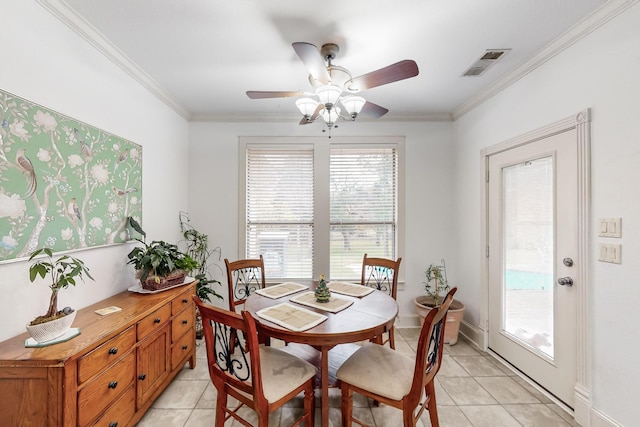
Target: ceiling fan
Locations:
point(335, 91)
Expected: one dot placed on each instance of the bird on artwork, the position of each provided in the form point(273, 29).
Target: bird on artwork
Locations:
point(26, 167)
point(121, 158)
point(72, 209)
point(84, 148)
point(120, 192)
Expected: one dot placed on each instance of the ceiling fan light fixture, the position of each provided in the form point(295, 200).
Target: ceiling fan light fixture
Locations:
point(307, 106)
point(353, 105)
point(330, 116)
point(329, 95)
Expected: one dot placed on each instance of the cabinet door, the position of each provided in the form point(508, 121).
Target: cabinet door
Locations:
point(154, 360)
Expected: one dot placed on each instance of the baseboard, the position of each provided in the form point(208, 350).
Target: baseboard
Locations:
point(598, 419)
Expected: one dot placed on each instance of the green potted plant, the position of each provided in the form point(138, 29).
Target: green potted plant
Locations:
point(159, 265)
point(198, 249)
point(436, 287)
point(63, 272)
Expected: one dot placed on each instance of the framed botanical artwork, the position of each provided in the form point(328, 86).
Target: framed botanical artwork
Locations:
point(63, 184)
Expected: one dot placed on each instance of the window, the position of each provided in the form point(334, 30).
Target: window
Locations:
point(315, 206)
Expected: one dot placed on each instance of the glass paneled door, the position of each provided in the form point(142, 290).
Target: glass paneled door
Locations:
point(532, 214)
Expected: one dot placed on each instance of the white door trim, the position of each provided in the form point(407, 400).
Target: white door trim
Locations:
point(582, 123)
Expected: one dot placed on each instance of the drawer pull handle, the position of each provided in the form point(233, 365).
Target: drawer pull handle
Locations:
point(184, 347)
point(113, 384)
point(184, 322)
point(113, 350)
point(142, 376)
point(184, 301)
point(156, 320)
point(113, 424)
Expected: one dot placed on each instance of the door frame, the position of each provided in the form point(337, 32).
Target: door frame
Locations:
point(581, 122)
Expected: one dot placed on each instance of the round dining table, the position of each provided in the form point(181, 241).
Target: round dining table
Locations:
point(327, 344)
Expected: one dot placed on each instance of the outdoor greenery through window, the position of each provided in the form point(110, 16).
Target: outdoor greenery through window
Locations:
point(363, 207)
point(317, 208)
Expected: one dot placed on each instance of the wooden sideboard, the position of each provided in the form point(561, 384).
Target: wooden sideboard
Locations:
point(111, 373)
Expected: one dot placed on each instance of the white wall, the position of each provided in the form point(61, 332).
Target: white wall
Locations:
point(601, 72)
point(213, 161)
point(47, 63)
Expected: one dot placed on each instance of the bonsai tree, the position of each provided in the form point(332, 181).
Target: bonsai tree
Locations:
point(63, 272)
point(198, 249)
point(159, 258)
point(436, 285)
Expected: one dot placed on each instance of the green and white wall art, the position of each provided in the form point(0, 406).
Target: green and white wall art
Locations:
point(63, 184)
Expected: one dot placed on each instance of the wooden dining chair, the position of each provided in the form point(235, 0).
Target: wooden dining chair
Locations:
point(244, 277)
point(388, 376)
point(260, 377)
point(382, 274)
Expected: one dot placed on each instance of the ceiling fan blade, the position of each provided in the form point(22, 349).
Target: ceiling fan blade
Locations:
point(373, 110)
point(310, 119)
point(310, 56)
point(392, 73)
point(258, 94)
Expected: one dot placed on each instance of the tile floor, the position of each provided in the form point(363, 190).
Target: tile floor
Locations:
point(472, 390)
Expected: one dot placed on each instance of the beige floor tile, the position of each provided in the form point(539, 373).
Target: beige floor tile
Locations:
point(451, 368)
point(534, 391)
point(448, 416)
point(165, 417)
point(201, 418)
point(335, 417)
point(408, 334)
point(387, 416)
point(535, 415)
point(489, 416)
point(563, 414)
point(479, 366)
point(442, 397)
point(200, 372)
point(181, 395)
point(461, 348)
point(506, 391)
point(466, 391)
point(208, 398)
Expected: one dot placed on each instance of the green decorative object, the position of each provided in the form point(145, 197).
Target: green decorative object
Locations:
point(64, 184)
point(323, 294)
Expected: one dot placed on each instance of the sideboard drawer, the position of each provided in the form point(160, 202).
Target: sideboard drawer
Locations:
point(100, 392)
point(153, 321)
point(121, 412)
point(181, 301)
point(182, 323)
point(104, 355)
point(181, 349)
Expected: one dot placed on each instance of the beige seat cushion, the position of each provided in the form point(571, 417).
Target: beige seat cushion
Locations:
point(380, 370)
point(282, 372)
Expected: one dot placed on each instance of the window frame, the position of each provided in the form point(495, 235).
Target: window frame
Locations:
point(321, 149)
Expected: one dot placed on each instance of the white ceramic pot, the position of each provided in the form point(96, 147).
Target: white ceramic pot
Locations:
point(53, 329)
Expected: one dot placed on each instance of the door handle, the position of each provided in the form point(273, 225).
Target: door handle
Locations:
point(565, 281)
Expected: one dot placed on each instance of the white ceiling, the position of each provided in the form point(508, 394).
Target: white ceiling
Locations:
point(201, 56)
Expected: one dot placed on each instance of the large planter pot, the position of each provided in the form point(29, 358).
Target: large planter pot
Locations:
point(424, 305)
point(53, 329)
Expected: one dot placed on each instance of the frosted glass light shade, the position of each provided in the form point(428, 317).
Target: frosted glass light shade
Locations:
point(306, 106)
point(328, 94)
point(330, 116)
point(353, 105)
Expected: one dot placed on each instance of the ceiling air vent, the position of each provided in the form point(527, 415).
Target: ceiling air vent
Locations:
point(489, 58)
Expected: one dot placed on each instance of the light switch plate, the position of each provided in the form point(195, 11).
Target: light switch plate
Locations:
point(610, 227)
point(610, 253)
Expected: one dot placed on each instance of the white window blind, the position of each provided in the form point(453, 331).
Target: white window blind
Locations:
point(363, 207)
point(280, 204)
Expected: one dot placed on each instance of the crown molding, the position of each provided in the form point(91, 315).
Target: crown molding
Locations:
point(599, 17)
point(61, 10)
point(287, 118)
